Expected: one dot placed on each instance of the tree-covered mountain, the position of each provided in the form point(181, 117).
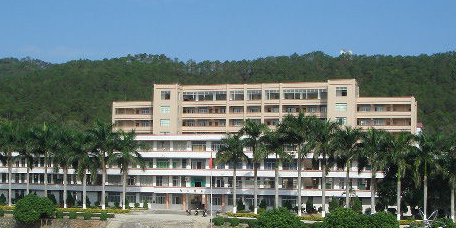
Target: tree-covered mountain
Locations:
point(83, 90)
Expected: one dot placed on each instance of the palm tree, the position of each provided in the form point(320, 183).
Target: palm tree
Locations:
point(447, 167)
point(25, 152)
point(231, 150)
point(324, 139)
point(348, 143)
point(253, 132)
point(426, 152)
point(43, 144)
point(8, 145)
point(127, 155)
point(374, 146)
point(105, 142)
point(272, 143)
point(82, 160)
point(298, 130)
point(399, 150)
point(63, 157)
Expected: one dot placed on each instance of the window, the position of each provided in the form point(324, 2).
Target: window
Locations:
point(312, 94)
point(215, 146)
point(203, 123)
point(146, 197)
point(323, 109)
point(237, 95)
point(145, 111)
point(237, 122)
point(341, 120)
point(216, 200)
point(273, 109)
point(198, 146)
point(188, 123)
point(198, 164)
point(341, 91)
point(145, 123)
point(160, 199)
point(175, 181)
point(164, 133)
point(164, 122)
point(295, 94)
point(254, 109)
point(203, 110)
point(165, 109)
point(323, 93)
point(379, 108)
point(163, 163)
point(363, 121)
point(189, 96)
point(180, 145)
point(113, 196)
point(159, 181)
point(220, 95)
point(272, 94)
point(269, 164)
point(237, 110)
point(341, 107)
point(379, 121)
point(131, 197)
point(131, 180)
point(165, 95)
point(364, 108)
point(253, 95)
point(312, 109)
point(176, 199)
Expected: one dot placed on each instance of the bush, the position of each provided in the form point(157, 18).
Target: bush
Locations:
point(356, 205)
point(240, 206)
point(97, 204)
point(70, 200)
point(380, 220)
point(31, 208)
point(94, 210)
point(245, 215)
point(103, 216)
point(127, 204)
point(136, 205)
point(342, 218)
point(218, 221)
point(234, 221)
point(279, 218)
point(368, 211)
point(106, 202)
point(72, 215)
point(2, 199)
point(309, 206)
point(251, 208)
point(261, 210)
point(443, 221)
point(116, 204)
point(87, 216)
point(2, 213)
point(334, 204)
point(287, 205)
point(263, 204)
point(52, 198)
point(312, 217)
point(59, 214)
point(145, 205)
point(88, 201)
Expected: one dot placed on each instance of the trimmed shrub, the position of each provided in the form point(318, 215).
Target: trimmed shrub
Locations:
point(342, 218)
point(116, 204)
point(251, 208)
point(240, 206)
point(31, 208)
point(245, 215)
point(88, 201)
point(218, 221)
point(103, 216)
point(97, 203)
point(146, 205)
point(59, 214)
point(2, 199)
point(334, 204)
point(234, 221)
point(87, 216)
point(70, 200)
point(279, 218)
point(94, 210)
point(52, 198)
point(443, 222)
point(2, 213)
point(380, 220)
point(136, 205)
point(287, 205)
point(72, 215)
point(311, 217)
point(309, 206)
point(263, 204)
point(127, 204)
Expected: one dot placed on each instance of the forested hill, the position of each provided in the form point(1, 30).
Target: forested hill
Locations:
point(83, 90)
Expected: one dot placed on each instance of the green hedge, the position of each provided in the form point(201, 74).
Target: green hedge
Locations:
point(94, 210)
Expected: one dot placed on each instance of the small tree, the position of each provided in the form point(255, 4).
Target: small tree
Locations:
point(263, 204)
point(279, 218)
point(70, 200)
point(240, 206)
point(52, 198)
point(32, 208)
point(356, 205)
point(334, 204)
point(2, 199)
point(145, 204)
point(309, 206)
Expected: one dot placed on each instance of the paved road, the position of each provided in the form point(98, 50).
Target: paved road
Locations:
point(158, 219)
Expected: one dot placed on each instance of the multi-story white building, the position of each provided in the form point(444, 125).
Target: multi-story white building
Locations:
point(184, 125)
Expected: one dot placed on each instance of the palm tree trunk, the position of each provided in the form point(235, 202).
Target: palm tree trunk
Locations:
point(124, 189)
point(425, 187)
point(255, 188)
point(10, 173)
point(347, 186)
point(299, 184)
point(276, 184)
point(45, 177)
point(234, 187)
point(372, 190)
point(323, 188)
point(84, 190)
point(398, 197)
point(452, 202)
point(103, 182)
point(65, 182)
point(28, 180)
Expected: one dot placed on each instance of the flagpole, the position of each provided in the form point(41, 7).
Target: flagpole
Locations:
point(211, 188)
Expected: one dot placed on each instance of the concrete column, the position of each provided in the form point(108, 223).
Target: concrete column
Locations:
point(243, 182)
point(189, 146)
point(170, 165)
point(154, 179)
point(154, 146)
point(205, 201)
point(171, 145)
point(170, 181)
point(223, 202)
point(208, 181)
point(225, 182)
point(167, 201)
point(261, 182)
point(154, 163)
point(184, 201)
point(137, 198)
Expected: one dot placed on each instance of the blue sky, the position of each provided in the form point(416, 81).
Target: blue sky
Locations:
point(62, 30)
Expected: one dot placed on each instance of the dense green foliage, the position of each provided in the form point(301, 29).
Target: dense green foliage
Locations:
point(32, 90)
point(347, 218)
point(278, 218)
point(32, 208)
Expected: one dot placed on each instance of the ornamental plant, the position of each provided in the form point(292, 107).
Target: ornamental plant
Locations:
point(278, 218)
point(31, 208)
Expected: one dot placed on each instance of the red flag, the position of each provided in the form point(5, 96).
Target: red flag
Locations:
point(210, 162)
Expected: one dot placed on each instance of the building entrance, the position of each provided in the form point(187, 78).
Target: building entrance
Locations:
point(196, 202)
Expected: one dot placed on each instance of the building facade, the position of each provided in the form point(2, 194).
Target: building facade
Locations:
point(184, 124)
